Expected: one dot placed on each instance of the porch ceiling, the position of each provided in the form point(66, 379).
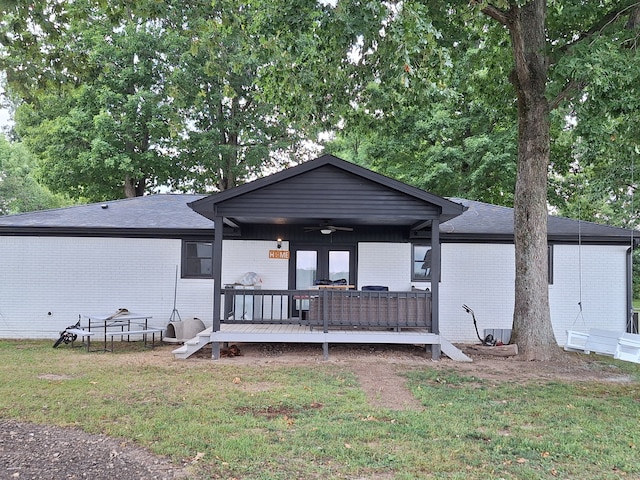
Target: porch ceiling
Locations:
point(336, 220)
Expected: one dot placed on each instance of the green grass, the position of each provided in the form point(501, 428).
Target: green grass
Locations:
point(279, 422)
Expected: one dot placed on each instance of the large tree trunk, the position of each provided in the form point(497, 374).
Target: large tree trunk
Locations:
point(532, 329)
point(133, 188)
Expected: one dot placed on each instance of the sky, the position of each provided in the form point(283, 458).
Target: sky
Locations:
point(5, 116)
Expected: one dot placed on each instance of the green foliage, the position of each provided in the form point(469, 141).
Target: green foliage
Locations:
point(120, 99)
point(19, 188)
point(204, 96)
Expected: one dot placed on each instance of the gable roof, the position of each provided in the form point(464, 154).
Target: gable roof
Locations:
point(327, 188)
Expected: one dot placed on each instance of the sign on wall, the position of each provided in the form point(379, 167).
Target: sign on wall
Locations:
point(279, 254)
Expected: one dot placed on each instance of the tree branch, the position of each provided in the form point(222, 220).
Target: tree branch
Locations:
point(601, 24)
point(494, 12)
point(568, 91)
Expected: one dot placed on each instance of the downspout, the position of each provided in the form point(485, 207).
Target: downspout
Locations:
point(217, 282)
point(631, 325)
point(435, 285)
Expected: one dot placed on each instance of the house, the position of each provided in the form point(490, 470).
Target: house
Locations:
point(322, 220)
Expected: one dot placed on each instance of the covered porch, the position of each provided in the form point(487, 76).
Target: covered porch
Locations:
point(302, 206)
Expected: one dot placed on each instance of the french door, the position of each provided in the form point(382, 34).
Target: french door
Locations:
point(311, 264)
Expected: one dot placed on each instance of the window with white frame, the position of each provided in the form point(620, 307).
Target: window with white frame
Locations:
point(197, 259)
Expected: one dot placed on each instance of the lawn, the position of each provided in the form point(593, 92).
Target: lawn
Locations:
point(290, 421)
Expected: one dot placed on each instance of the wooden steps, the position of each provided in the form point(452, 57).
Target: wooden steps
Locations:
point(194, 344)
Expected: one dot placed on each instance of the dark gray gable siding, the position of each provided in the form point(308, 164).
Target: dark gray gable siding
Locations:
point(328, 188)
point(327, 192)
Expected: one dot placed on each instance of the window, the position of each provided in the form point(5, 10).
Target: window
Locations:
point(197, 259)
point(421, 269)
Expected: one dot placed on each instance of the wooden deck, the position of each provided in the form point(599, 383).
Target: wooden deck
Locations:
point(267, 333)
point(289, 333)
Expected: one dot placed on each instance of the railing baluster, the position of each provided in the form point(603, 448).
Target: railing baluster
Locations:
point(329, 307)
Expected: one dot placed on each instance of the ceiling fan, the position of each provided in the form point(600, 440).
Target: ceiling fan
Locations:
point(327, 229)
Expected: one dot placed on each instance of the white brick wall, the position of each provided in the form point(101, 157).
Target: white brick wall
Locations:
point(242, 256)
point(45, 282)
point(481, 276)
point(387, 264)
point(603, 288)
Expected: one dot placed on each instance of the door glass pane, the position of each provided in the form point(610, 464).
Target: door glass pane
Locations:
point(306, 274)
point(338, 265)
point(306, 268)
point(421, 262)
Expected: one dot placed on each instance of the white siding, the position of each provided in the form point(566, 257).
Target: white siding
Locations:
point(242, 256)
point(46, 282)
point(482, 277)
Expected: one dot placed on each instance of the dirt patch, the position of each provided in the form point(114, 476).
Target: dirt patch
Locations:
point(380, 368)
point(40, 451)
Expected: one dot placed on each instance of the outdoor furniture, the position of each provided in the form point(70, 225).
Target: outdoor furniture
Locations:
point(576, 341)
point(120, 324)
point(621, 346)
point(82, 334)
point(628, 348)
point(597, 340)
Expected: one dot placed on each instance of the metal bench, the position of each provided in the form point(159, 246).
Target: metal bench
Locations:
point(82, 334)
point(144, 333)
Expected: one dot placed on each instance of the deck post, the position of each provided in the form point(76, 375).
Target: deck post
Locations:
point(435, 285)
point(217, 281)
point(325, 351)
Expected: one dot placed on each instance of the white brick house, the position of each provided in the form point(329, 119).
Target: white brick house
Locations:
point(96, 258)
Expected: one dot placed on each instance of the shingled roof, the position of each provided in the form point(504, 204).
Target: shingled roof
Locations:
point(152, 215)
point(484, 221)
point(168, 215)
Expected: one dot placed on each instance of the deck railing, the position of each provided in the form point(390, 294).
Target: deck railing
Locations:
point(329, 308)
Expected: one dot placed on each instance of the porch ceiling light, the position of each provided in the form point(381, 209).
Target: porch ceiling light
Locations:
point(326, 231)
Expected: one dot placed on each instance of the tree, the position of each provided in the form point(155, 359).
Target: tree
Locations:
point(538, 44)
point(120, 99)
point(19, 190)
point(561, 63)
point(95, 107)
point(230, 133)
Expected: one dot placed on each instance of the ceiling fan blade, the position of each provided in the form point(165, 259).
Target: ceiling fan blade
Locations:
point(344, 229)
point(325, 228)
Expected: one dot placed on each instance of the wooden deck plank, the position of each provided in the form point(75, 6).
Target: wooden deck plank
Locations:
point(274, 333)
